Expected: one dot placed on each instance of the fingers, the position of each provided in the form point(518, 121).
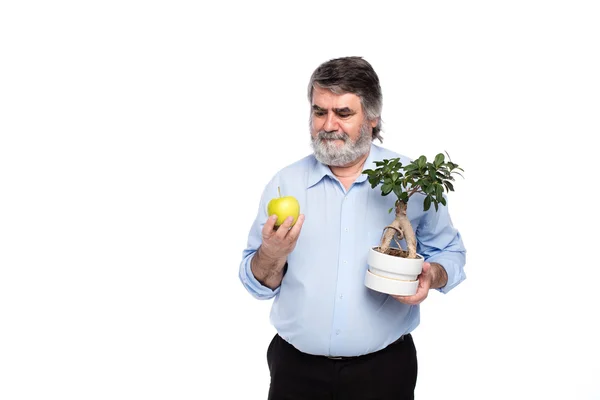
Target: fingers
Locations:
point(425, 276)
point(288, 232)
point(269, 225)
point(280, 241)
point(295, 231)
point(284, 231)
point(426, 268)
point(284, 228)
point(422, 289)
point(412, 300)
point(415, 299)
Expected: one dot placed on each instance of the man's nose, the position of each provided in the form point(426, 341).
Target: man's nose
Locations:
point(331, 123)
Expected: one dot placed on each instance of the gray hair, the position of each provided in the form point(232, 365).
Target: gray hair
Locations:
point(351, 75)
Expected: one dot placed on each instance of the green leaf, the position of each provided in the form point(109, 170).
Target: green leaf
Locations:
point(386, 189)
point(427, 203)
point(442, 173)
point(439, 160)
point(449, 186)
point(390, 210)
point(432, 173)
point(398, 190)
point(368, 171)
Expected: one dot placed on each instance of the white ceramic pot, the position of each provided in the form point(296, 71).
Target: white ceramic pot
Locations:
point(393, 275)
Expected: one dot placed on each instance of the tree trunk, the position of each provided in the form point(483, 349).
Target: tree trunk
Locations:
point(402, 224)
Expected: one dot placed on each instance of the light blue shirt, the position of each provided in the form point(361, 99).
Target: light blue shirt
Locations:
point(323, 306)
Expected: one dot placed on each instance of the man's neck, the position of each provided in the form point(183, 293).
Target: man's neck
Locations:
point(350, 171)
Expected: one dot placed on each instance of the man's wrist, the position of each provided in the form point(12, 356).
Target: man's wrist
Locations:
point(439, 276)
point(271, 263)
point(267, 270)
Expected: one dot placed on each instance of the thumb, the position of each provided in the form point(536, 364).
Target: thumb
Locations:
point(426, 277)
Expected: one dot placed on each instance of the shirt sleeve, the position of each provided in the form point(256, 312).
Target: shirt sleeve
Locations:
point(438, 241)
point(249, 281)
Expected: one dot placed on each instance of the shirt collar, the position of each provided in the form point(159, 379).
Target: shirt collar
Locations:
point(319, 170)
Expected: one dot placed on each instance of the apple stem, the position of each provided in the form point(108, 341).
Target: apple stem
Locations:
point(279, 191)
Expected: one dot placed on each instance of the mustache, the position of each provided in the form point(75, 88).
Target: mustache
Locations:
point(324, 135)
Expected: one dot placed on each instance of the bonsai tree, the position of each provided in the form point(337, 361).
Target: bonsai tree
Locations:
point(430, 179)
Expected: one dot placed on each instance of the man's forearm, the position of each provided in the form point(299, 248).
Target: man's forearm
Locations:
point(266, 270)
point(439, 276)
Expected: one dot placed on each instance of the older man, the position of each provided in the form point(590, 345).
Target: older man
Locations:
point(335, 337)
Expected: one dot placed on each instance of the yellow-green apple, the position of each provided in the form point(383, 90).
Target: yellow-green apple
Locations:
point(284, 207)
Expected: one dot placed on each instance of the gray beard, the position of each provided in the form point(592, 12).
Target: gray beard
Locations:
point(330, 154)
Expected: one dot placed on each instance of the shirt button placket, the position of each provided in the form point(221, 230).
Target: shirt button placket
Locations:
point(343, 263)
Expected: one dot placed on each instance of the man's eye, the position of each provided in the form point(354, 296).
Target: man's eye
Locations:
point(319, 113)
point(344, 115)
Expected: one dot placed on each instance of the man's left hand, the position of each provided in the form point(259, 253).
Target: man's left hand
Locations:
point(427, 277)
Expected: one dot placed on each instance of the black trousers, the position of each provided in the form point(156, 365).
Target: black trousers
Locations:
point(388, 374)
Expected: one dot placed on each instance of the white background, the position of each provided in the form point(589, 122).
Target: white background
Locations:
point(136, 138)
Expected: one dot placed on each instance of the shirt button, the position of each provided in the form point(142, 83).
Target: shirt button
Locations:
point(346, 229)
point(341, 296)
point(345, 262)
point(337, 332)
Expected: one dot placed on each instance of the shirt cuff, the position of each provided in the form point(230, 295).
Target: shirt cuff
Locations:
point(254, 287)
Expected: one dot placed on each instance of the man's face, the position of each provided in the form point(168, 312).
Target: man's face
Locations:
point(340, 133)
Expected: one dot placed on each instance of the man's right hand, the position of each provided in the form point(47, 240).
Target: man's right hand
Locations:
point(277, 243)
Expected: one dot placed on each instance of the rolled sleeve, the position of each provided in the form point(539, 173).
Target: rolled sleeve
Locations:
point(440, 242)
point(453, 264)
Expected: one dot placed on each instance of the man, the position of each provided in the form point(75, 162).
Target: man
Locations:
point(335, 337)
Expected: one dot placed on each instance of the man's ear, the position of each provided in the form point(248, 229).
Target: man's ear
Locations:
point(374, 122)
